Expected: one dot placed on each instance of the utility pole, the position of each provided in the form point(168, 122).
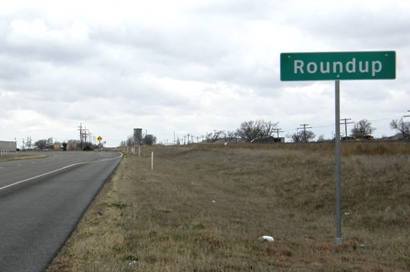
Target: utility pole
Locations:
point(29, 142)
point(277, 130)
point(304, 127)
point(80, 128)
point(345, 121)
point(83, 135)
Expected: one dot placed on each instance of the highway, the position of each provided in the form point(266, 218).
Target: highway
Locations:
point(41, 202)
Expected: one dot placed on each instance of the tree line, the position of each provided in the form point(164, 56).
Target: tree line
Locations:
point(50, 144)
point(259, 130)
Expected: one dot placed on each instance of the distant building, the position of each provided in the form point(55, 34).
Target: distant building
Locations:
point(364, 138)
point(269, 140)
point(73, 145)
point(8, 146)
point(397, 137)
point(348, 138)
point(56, 146)
point(279, 139)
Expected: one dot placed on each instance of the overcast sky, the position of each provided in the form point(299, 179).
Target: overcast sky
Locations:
point(189, 66)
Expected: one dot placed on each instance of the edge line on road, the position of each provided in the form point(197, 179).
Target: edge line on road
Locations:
point(41, 175)
point(54, 171)
point(108, 159)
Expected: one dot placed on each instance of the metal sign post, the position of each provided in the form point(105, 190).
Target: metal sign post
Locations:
point(338, 165)
point(338, 66)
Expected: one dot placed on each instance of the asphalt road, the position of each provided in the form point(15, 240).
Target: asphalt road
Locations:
point(42, 200)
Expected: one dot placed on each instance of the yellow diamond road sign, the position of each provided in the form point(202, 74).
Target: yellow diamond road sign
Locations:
point(99, 138)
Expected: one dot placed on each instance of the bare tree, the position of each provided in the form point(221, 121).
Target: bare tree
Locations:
point(29, 143)
point(212, 137)
point(321, 138)
point(303, 136)
point(50, 141)
point(402, 127)
point(362, 129)
point(130, 141)
point(231, 136)
point(41, 144)
point(149, 139)
point(252, 130)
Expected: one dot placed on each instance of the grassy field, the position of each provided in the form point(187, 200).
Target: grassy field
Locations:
point(203, 208)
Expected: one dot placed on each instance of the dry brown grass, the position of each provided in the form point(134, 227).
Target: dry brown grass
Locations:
point(22, 156)
point(203, 208)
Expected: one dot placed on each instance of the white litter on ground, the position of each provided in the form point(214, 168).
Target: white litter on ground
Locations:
point(267, 238)
point(132, 263)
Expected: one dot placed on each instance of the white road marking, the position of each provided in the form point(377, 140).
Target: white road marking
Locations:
point(108, 159)
point(41, 175)
point(55, 171)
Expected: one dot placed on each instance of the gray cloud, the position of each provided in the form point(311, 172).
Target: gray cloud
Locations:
point(193, 53)
point(37, 40)
point(194, 68)
point(240, 9)
point(358, 25)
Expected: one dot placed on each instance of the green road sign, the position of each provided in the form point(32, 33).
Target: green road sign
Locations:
point(337, 65)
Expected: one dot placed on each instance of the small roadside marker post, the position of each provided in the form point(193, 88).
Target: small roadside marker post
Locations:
point(152, 160)
point(338, 66)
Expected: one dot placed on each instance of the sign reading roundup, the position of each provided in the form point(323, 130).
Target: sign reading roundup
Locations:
point(337, 65)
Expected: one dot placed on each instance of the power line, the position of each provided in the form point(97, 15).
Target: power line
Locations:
point(80, 128)
point(345, 121)
point(277, 131)
point(304, 127)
